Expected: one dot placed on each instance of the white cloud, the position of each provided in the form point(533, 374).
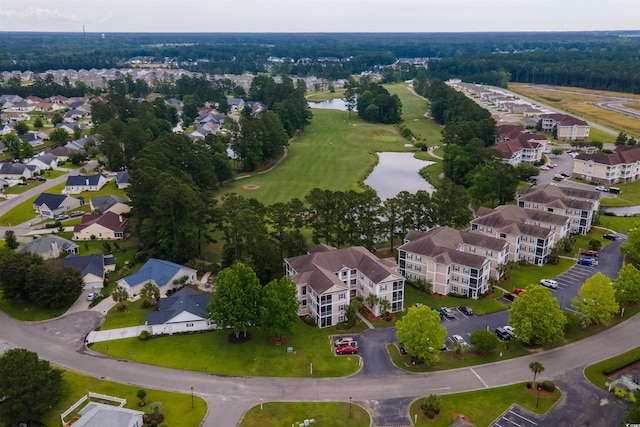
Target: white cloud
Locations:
point(41, 13)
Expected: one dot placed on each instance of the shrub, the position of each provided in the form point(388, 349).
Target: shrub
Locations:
point(144, 335)
point(620, 392)
point(632, 397)
point(309, 321)
point(431, 405)
point(529, 385)
point(548, 386)
point(595, 244)
point(140, 257)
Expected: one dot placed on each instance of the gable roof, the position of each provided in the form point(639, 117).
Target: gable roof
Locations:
point(515, 220)
point(53, 201)
point(96, 414)
point(12, 168)
point(577, 198)
point(104, 203)
point(122, 177)
point(108, 220)
point(89, 264)
point(621, 155)
point(319, 266)
point(43, 244)
point(565, 119)
point(83, 180)
point(186, 299)
point(160, 271)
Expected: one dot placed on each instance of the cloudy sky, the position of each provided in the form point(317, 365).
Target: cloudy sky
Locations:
point(318, 15)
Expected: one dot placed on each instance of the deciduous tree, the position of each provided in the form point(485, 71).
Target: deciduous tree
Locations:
point(10, 239)
point(421, 333)
point(537, 317)
point(627, 284)
point(483, 341)
point(29, 386)
point(279, 307)
point(596, 300)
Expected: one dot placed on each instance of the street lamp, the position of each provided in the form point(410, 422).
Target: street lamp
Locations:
point(191, 397)
point(349, 407)
point(538, 399)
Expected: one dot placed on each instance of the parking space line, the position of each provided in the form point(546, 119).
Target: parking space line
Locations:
point(524, 418)
point(478, 376)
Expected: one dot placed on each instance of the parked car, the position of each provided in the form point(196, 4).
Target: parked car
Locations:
point(518, 291)
point(41, 179)
point(550, 166)
point(61, 217)
point(466, 310)
point(588, 261)
point(510, 330)
point(457, 339)
point(32, 178)
point(588, 252)
point(559, 176)
point(401, 349)
point(502, 334)
point(92, 296)
point(601, 188)
point(347, 349)
point(544, 168)
point(448, 312)
point(566, 175)
point(343, 341)
point(510, 296)
point(610, 237)
point(549, 283)
point(76, 214)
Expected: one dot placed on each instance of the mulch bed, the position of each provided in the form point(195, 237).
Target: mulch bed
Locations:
point(240, 339)
point(533, 390)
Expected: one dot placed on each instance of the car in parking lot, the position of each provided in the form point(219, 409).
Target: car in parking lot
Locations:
point(588, 252)
point(601, 188)
point(587, 261)
point(544, 168)
point(502, 334)
point(447, 312)
point(437, 310)
point(510, 296)
point(76, 214)
point(347, 349)
point(566, 175)
point(610, 237)
point(466, 310)
point(509, 330)
point(343, 341)
point(92, 296)
point(457, 339)
point(559, 176)
point(549, 283)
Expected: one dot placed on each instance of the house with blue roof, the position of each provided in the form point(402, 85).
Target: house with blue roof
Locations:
point(49, 205)
point(184, 311)
point(76, 184)
point(159, 272)
point(92, 268)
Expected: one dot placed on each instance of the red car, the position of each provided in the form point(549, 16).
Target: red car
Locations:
point(347, 349)
point(588, 252)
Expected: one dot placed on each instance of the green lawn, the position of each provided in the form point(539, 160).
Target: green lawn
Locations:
point(211, 352)
point(325, 95)
point(621, 224)
point(332, 153)
point(334, 414)
point(176, 407)
point(527, 275)
point(413, 110)
point(28, 312)
point(19, 189)
point(135, 315)
point(629, 195)
point(484, 305)
point(594, 373)
point(484, 406)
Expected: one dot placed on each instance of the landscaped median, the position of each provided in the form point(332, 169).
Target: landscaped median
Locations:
point(482, 407)
point(334, 414)
point(312, 354)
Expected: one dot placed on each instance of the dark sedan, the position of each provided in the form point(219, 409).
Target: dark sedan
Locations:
point(466, 310)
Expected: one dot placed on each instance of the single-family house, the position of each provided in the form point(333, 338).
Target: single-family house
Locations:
point(568, 128)
point(109, 203)
point(49, 205)
point(577, 204)
point(235, 104)
point(159, 272)
point(122, 179)
point(14, 171)
point(48, 246)
point(105, 226)
point(328, 279)
point(32, 139)
point(63, 153)
point(5, 129)
point(184, 311)
point(76, 184)
point(92, 268)
point(44, 161)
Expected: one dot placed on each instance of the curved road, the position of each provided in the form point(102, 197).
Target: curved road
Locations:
point(61, 342)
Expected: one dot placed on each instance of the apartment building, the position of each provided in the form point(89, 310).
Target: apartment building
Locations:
point(623, 165)
point(568, 128)
point(453, 261)
point(328, 279)
point(531, 234)
point(518, 145)
point(579, 205)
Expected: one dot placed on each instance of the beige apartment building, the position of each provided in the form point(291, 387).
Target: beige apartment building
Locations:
point(623, 165)
point(328, 279)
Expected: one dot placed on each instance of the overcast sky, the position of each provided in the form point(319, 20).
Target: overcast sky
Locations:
point(318, 15)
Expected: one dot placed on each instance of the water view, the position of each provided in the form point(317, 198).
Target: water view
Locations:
point(331, 104)
point(398, 172)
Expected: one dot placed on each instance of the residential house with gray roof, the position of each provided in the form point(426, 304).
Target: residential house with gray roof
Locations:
point(328, 279)
point(49, 205)
point(109, 203)
point(92, 268)
point(76, 184)
point(184, 311)
point(48, 246)
point(14, 171)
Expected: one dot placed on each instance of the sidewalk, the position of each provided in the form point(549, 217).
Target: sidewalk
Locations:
point(115, 334)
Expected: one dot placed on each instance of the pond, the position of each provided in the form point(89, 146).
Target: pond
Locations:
point(398, 172)
point(331, 104)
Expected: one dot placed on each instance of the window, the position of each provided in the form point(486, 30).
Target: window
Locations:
point(418, 258)
point(303, 303)
point(304, 290)
point(189, 325)
point(342, 295)
point(341, 307)
point(489, 253)
point(472, 249)
point(383, 287)
point(418, 268)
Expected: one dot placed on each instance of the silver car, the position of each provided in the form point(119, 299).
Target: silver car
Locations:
point(549, 283)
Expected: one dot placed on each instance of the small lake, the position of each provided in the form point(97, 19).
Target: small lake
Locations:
point(398, 172)
point(331, 104)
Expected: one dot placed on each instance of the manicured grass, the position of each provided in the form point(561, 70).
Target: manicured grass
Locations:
point(595, 372)
point(19, 189)
point(484, 406)
point(332, 153)
point(176, 407)
point(325, 95)
point(621, 224)
point(211, 352)
point(28, 312)
point(629, 196)
point(484, 305)
point(335, 414)
point(134, 315)
point(413, 111)
point(527, 275)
